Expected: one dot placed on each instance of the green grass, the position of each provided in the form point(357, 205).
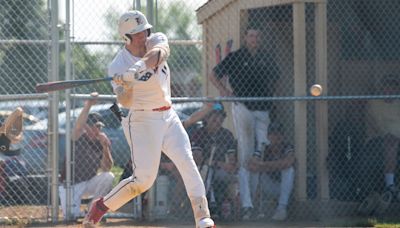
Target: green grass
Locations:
point(117, 171)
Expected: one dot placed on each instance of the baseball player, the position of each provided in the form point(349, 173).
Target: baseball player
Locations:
point(142, 83)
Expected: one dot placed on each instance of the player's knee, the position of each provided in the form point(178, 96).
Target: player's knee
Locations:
point(145, 181)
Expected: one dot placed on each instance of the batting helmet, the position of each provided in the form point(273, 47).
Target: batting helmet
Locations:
point(132, 22)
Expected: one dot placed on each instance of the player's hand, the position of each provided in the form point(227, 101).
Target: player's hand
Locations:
point(119, 79)
point(131, 74)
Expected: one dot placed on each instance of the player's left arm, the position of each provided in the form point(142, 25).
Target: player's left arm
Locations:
point(157, 53)
point(157, 50)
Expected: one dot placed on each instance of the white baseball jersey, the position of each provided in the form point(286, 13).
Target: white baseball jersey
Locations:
point(152, 90)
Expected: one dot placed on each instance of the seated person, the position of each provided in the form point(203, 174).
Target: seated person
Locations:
point(92, 176)
point(277, 169)
point(10, 132)
point(211, 134)
point(383, 121)
point(225, 184)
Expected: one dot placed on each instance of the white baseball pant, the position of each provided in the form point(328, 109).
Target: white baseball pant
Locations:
point(148, 133)
point(283, 189)
point(251, 130)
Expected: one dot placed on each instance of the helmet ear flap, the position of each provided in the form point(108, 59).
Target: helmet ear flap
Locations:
point(127, 39)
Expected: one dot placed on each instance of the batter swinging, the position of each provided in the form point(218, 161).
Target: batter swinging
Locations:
point(142, 83)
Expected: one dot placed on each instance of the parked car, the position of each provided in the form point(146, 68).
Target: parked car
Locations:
point(37, 108)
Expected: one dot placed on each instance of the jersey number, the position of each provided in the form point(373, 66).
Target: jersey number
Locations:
point(146, 76)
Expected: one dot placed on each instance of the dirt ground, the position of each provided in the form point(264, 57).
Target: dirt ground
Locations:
point(124, 223)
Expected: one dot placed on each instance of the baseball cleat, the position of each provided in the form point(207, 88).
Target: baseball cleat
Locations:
point(206, 223)
point(96, 212)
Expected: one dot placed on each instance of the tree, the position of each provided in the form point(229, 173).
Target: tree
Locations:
point(22, 65)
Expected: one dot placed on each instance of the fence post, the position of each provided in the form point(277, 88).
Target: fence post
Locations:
point(53, 110)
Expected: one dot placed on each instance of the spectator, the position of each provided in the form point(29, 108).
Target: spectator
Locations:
point(252, 72)
point(384, 126)
point(277, 170)
point(92, 161)
point(11, 132)
point(214, 134)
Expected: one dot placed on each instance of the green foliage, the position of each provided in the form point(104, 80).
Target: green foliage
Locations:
point(175, 21)
point(117, 171)
point(22, 65)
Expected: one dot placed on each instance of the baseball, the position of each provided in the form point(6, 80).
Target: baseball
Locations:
point(316, 90)
point(94, 94)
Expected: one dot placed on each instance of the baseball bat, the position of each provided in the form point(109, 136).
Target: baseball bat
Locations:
point(206, 169)
point(62, 85)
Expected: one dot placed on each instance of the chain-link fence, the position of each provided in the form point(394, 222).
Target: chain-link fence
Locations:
point(275, 151)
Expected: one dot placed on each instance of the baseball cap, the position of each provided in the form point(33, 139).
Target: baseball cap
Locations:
point(95, 118)
point(218, 108)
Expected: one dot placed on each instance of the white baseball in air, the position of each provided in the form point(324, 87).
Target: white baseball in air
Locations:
point(316, 90)
point(94, 94)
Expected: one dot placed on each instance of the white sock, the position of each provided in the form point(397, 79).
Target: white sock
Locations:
point(389, 179)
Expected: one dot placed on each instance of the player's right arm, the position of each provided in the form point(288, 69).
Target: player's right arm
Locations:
point(123, 90)
point(221, 72)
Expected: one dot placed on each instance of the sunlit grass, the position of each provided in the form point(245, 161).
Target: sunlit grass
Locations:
point(117, 171)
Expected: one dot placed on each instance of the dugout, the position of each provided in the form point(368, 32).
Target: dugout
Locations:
point(346, 46)
point(224, 23)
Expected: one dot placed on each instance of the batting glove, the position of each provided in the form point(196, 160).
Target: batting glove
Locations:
point(133, 71)
point(130, 75)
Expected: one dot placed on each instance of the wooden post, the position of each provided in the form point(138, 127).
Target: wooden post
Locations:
point(300, 107)
point(321, 109)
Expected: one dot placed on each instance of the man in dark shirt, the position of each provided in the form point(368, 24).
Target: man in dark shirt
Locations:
point(91, 173)
point(214, 134)
point(252, 72)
